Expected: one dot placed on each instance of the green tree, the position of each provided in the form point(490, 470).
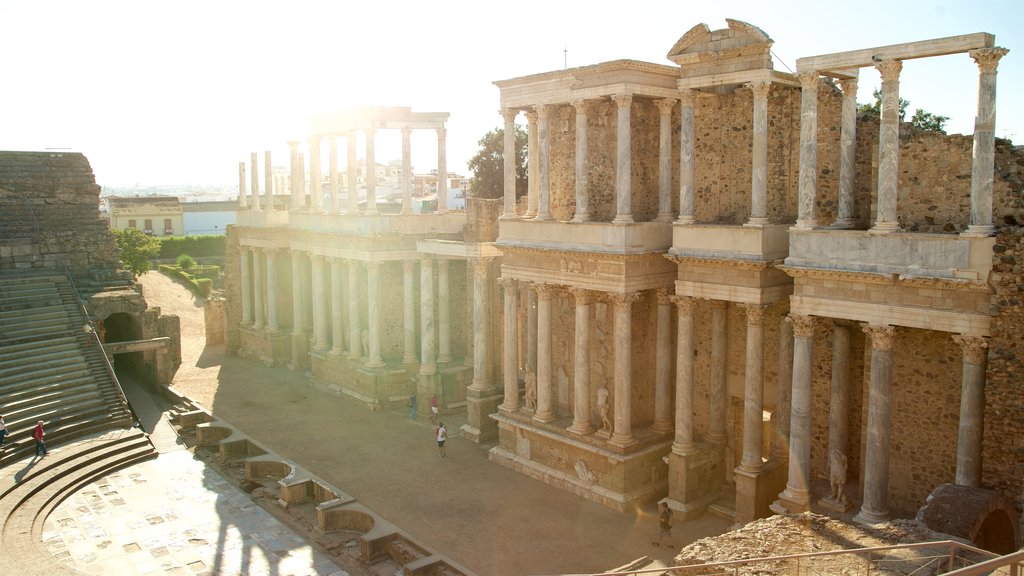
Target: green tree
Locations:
point(922, 119)
point(185, 261)
point(137, 249)
point(488, 165)
point(876, 106)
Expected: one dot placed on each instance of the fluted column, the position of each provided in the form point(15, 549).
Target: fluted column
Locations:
point(408, 312)
point(246, 265)
point(753, 396)
point(783, 402)
point(533, 164)
point(797, 496)
point(686, 157)
point(243, 201)
point(544, 412)
point(297, 293)
point(717, 392)
point(622, 433)
point(683, 442)
point(544, 186)
point(481, 324)
point(509, 166)
point(337, 322)
point(271, 283)
point(258, 279)
point(406, 170)
point(319, 305)
point(352, 174)
point(442, 172)
point(510, 360)
point(444, 315)
point(663, 365)
point(888, 147)
point(623, 160)
point(355, 336)
point(972, 410)
point(847, 154)
point(531, 328)
point(582, 194)
point(332, 169)
point(315, 176)
point(983, 161)
point(428, 364)
point(268, 180)
point(371, 172)
point(295, 185)
point(581, 423)
point(255, 182)
point(806, 217)
point(759, 173)
point(374, 317)
point(875, 508)
point(839, 396)
point(665, 159)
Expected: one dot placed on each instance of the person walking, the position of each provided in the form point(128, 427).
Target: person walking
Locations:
point(38, 434)
point(433, 408)
point(441, 433)
point(412, 406)
point(664, 525)
point(3, 430)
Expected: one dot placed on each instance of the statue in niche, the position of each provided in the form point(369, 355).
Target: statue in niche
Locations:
point(604, 409)
point(531, 391)
point(837, 475)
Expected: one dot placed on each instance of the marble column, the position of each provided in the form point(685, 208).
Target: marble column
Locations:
point(806, 218)
point(623, 161)
point(839, 396)
point(467, 360)
point(972, 410)
point(717, 393)
point(622, 433)
point(753, 393)
point(337, 318)
point(315, 177)
point(352, 174)
point(875, 507)
point(531, 329)
point(271, 283)
point(355, 335)
point(246, 265)
point(983, 161)
point(332, 169)
point(255, 182)
point(759, 172)
point(408, 312)
point(888, 147)
point(544, 186)
point(444, 315)
point(406, 170)
point(847, 154)
point(297, 292)
point(481, 324)
point(509, 166)
point(665, 106)
point(442, 172)
point(297, 178)
point(581, 422)
point(582, 193)
point(533, 164)
point(258, 279)
point(663, 365)
point(544, 412)
point(683, 442)
point(510, 341)
point(374, 316)
point(428, 364)
point(686, 157)
point(307, 282)
point(319, 305)
point(783, 402)
point(796, 497)
point(268, 180)
point(243, 201)
point(371, 173)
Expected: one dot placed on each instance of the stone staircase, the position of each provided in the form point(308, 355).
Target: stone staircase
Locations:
point(51, 368)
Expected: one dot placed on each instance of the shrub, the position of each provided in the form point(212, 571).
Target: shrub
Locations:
point(186, 262)
point(197, 246)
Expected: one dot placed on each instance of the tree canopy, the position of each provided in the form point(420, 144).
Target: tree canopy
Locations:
point(137, 249)
point(921, 119)
point(488, 165)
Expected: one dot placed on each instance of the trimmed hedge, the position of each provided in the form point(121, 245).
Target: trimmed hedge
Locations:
point(201, 286)
point(206, 245)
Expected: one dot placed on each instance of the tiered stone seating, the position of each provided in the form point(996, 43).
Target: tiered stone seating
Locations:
point(50, 368)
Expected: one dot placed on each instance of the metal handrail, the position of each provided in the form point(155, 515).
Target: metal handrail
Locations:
point(1014, 561)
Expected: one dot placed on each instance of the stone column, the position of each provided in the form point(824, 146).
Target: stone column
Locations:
point(467, 360)
point(509, 167)
point(268, 179)
point(683, 442)
point(581, 423)
point(258, 278)
point(544, 294)
point(663, 364)
point(296, 177)
point(337, 319)
point(582, 193)
point(319, 305)
point(481, 324)
point(315, 177)
point(847, 154)
point(839, 397)
point(759, 177)
point(665, 159)
point(888, 147)
point(373, 316)
point(972, 410)
point(307, 281)
point(371, 173)
point(408, 312)
point(623, 161)
point(442, 172)
point(783, 402)
point(987, 60)
point(406, 170)
point(531, 329)
point(355, 336)
point(511, 343)
point(428, 365)
point(753, 393)
point(299, 340)
point(533, 164)
point(352, 174)
point(717, 393)
point(806, 218)
point(271, 283)
point(444, 315)
point(245, 252)
point(544, 186)
point(243, 201)
point(622, 433)
point(253, 161)
point(875, 508)
point(332, 168)
point(686, 157)
point(796, 497)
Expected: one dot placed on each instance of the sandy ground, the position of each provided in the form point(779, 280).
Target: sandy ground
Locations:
point(488, 518)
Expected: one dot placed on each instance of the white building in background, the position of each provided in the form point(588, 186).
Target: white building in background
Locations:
point(208, 217)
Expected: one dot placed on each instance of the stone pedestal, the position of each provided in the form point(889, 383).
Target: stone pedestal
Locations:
point(752, 494)
point(480, 404)
point(694, 481)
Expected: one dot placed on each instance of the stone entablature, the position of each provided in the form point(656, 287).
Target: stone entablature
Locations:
point(607, 273)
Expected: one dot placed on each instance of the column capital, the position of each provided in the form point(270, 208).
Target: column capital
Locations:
point(684, 304)
point(581, 105)
point(974, 348)
point(441, 132)
point(544, 291)
point(481, 265)
point(760, 88)
point(543, 111)
point(889, 69)
point(582, 296)
point(663, 295)
point(717, 304)
point(848, 86)
point(531, 116)
point(622, 100)
point(409, 265)
point(687, 97)
point(987, 58)
point(508, 115)
point(808, 80)
point(881, 336)
point(442, 263)
point(755, 314)
point(371, 266)
point(803, 326)
point(665, 105)
point(622, 300)
point(509, 284)
point(427, 259)
point(406, 131)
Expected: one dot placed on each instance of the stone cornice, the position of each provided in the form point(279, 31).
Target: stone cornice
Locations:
point(723, 262)
point(846, 275)
point(574, 73)
point(945, 283)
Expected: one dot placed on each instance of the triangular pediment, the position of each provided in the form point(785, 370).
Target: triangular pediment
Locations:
point(740, 41)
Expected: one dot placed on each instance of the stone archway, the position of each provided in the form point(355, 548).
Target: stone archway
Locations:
point(984, 517)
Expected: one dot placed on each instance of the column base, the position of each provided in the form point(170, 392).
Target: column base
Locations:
point(543, 218)
point(581, 430)
point(663, 218)
point(375, 364)
point(870, 518)
point(544, 417)
point(751, 494)
point(884, 228)
point(756, 223)
point(792, 502)
point(623, 219)
point(580, 218)
point(480, 404)
point(978, 231)
point(622, 440)
point(843, 224)
point(694, 481)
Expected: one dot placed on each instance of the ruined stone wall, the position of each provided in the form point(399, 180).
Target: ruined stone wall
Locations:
point(482, 219)
point(49, 215)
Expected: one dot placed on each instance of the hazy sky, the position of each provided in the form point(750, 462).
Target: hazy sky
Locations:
point(180, 92)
